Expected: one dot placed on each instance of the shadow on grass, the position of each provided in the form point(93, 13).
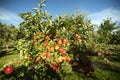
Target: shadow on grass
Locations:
point(4, 52)
point(114, 57)
point(109, 67)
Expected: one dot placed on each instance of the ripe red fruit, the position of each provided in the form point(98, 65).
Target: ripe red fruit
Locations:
point(59, 42)
point(44, 53)
point(87, 74)
point(55, 36)
point(110, 53)
point(61, 50)
point(66, 58)
point(46, 42)
point(47, 46)
point(51, 49)
point(47, 37)
point(76, 35)
point(8, 69)
point(99, 53)
point(55, 66)
point(34, 36)
point(37, 60)
point(34, 43)
point(64, 40)
point(49, 54)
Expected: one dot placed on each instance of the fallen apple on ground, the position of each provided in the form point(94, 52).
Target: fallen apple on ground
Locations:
point(8, 69)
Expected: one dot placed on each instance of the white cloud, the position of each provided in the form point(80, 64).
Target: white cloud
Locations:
point(9, 17)
point(98, 17)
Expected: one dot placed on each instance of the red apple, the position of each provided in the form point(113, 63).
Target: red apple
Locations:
point(59, 42)
point(49, 54)
point(76, 35)
point(51, 49)
point(87, 74)
point(110, 53)
point(55, 36)
point(37, 60)
point(99, 53)
point(47, 46)
point(47, 37)
point(44, 53)
point(46, 42)
point(64, 40)
point(55, 66)
point(61, 50)
point(34, 43)
point(68, 59)
point(34, 36)
point(8, 69)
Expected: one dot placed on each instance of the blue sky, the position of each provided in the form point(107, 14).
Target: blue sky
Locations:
point(96, 10)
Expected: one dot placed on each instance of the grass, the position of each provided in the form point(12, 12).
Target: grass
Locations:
point(103, 70)
point(8, 59)
point(106, 75)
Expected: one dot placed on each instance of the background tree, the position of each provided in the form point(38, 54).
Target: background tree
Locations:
point(8, 34)
point(105, 31)
point(115, 38)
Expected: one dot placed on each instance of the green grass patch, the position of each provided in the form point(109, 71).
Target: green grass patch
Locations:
point(105, 75)
point(8, 59)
